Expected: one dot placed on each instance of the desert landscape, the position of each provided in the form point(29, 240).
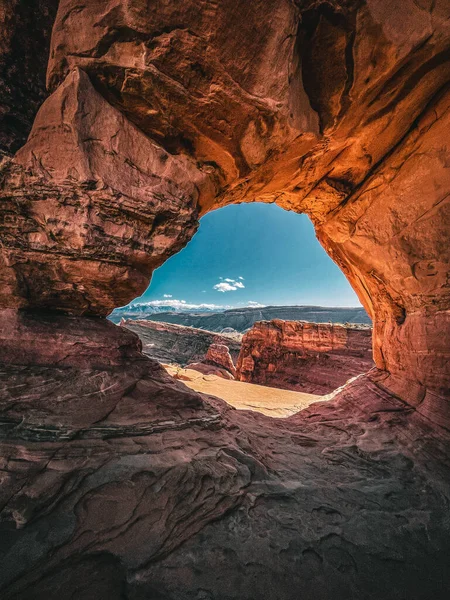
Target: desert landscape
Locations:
point(122, 124)
point(310, 360)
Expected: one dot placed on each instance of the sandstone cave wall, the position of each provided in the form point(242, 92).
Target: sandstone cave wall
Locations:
point(113, 472)
point(336, 109)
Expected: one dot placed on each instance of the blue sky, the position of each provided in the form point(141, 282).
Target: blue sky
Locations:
point(252, 253)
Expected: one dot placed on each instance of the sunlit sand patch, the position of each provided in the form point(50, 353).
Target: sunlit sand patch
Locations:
point(272, 402)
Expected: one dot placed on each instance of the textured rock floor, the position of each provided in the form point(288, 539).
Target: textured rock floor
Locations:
point(124, 484)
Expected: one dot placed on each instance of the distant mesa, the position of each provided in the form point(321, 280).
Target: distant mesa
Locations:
point(242, 319)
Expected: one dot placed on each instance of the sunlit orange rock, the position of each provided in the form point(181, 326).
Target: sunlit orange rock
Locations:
point(315, 358)
point(118, 481)
point(219, 354)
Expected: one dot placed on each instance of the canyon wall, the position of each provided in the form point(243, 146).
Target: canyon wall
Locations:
point(315, 358)
point(156, 116)
point(177, 344)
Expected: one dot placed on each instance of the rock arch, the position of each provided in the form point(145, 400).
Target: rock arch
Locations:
point(160, 112)
point(336, 110)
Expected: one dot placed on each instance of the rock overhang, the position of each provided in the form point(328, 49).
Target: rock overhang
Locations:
point(108, 458)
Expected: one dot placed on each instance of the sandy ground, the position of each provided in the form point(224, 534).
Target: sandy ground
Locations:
point(246, 396)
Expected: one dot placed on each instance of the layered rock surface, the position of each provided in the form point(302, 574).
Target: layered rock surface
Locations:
point(326, 108)
point(90, 207)
point(168, 343)
point(119, 482)
point(316, 358)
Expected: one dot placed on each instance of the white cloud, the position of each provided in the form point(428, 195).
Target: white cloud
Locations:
point(224, 287)
point(255, 304)
point(167, 295)
point(228, 285)
point(241, 278)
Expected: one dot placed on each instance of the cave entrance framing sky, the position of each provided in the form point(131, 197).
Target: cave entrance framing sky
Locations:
point(251, 254)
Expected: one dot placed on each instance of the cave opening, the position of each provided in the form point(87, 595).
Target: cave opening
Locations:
point(118, 481)
point(253, 310)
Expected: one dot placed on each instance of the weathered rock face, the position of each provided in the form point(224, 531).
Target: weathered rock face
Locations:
point(312, 357)
point(90, 207)
point(325, 108)
point(168, 343)
point(219, 354)
point(229, 94)
point(37, 339)
point(112, 472)
point(401, 258)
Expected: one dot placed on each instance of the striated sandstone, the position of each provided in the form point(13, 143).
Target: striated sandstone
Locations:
point(312, 357)
point(339, 110)
point(113, 474)
point(169, 343)
point(90, 207)
point(219, 354)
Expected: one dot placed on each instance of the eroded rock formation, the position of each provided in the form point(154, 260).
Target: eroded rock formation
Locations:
point(316, 358)
point(112, 472)
point(219, 354)
point(169, 343)
point(91, 207)
point(158, 115)
point(120, 482)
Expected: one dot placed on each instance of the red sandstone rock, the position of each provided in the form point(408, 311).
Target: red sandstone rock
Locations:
point(168, 343)
point(209, 369)
point(315, 358)
point(326, 109)
point(90, 207)
point(219, 354)
point(112, 476)
point(112, 473)
point(36, 339)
